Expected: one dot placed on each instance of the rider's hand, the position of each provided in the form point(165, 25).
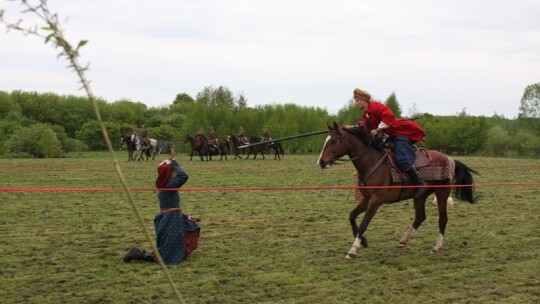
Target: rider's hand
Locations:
point(375, 132)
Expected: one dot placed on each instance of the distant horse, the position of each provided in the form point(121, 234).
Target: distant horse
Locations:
point(258, 149)
point(126, 142)
point(371, 163)
point(236, 144)
point(199, 145)
point(277, 148)
point(152, 150)
point(221, 148)
point(274, 146)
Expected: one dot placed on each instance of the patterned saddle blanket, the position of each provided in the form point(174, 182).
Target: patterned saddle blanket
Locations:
point(432, 165)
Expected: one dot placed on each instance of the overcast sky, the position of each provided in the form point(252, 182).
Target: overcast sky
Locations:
point(439, 56)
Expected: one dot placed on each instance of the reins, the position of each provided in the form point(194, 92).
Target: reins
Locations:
point(379, 162)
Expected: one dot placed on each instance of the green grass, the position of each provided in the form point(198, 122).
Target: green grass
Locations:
point(262, 246)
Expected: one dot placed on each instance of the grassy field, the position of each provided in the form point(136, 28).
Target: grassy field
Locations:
point(262, 246)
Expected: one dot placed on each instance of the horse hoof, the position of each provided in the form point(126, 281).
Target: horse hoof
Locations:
point(401, 245)
point(351, 256)
point(435, 250)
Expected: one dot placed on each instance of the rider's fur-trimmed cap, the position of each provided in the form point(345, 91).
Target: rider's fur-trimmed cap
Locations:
point(361, 94)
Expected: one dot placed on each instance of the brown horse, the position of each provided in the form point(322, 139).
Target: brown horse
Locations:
point(236, 143)
point(220, 148)
point(274, 146)
point(199, 145)
point(125, 141)
point(371, 164)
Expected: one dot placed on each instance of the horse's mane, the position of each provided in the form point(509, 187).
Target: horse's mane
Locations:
point(360, 133)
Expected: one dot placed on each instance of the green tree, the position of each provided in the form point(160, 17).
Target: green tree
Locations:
point(497, 141)
point(125, 111)
point(68, 144)
point(183, 98)
point(90, 134)
point(39, 108)
point(38, 140)
point(393, 104)
point(75, 111)
point(525, 143)
point(349, 114)
point(7, 105)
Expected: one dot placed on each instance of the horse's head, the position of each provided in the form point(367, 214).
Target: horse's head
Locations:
point(188, 138)
point(335, 146)
point(122, 142)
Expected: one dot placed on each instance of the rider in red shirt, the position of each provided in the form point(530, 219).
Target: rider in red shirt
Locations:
point(378, 118)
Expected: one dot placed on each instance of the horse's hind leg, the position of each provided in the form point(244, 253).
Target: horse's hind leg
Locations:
point(419, 218)
point(442, 197)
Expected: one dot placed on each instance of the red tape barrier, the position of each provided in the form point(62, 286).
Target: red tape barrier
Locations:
point(21, 189)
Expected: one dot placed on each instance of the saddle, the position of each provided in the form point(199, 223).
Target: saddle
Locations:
point(432, 165)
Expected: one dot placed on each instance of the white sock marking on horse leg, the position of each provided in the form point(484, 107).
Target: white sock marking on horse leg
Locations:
point(354, 249)
point(439, 244)
point(406, 236)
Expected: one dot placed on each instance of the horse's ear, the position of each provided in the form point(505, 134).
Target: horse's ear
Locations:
point(337, 128)
point(328, 126)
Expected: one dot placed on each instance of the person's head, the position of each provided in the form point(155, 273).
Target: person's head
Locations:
point(361, 98)
point(144, 126)
point(164, 170)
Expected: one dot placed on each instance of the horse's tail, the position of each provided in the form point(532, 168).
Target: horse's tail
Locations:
point(464, 177)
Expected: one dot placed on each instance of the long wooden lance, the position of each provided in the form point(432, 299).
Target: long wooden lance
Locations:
point(283, 138)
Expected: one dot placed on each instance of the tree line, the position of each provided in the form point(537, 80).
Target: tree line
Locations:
point(50, 125)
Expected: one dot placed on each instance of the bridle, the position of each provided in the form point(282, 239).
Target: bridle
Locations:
point(368, 146)
point(344, 161)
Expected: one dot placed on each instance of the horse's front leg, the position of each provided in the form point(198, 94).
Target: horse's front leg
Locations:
point(361, 207)
point(360, 240)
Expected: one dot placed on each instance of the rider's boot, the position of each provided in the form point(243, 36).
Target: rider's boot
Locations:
point(416, 179)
